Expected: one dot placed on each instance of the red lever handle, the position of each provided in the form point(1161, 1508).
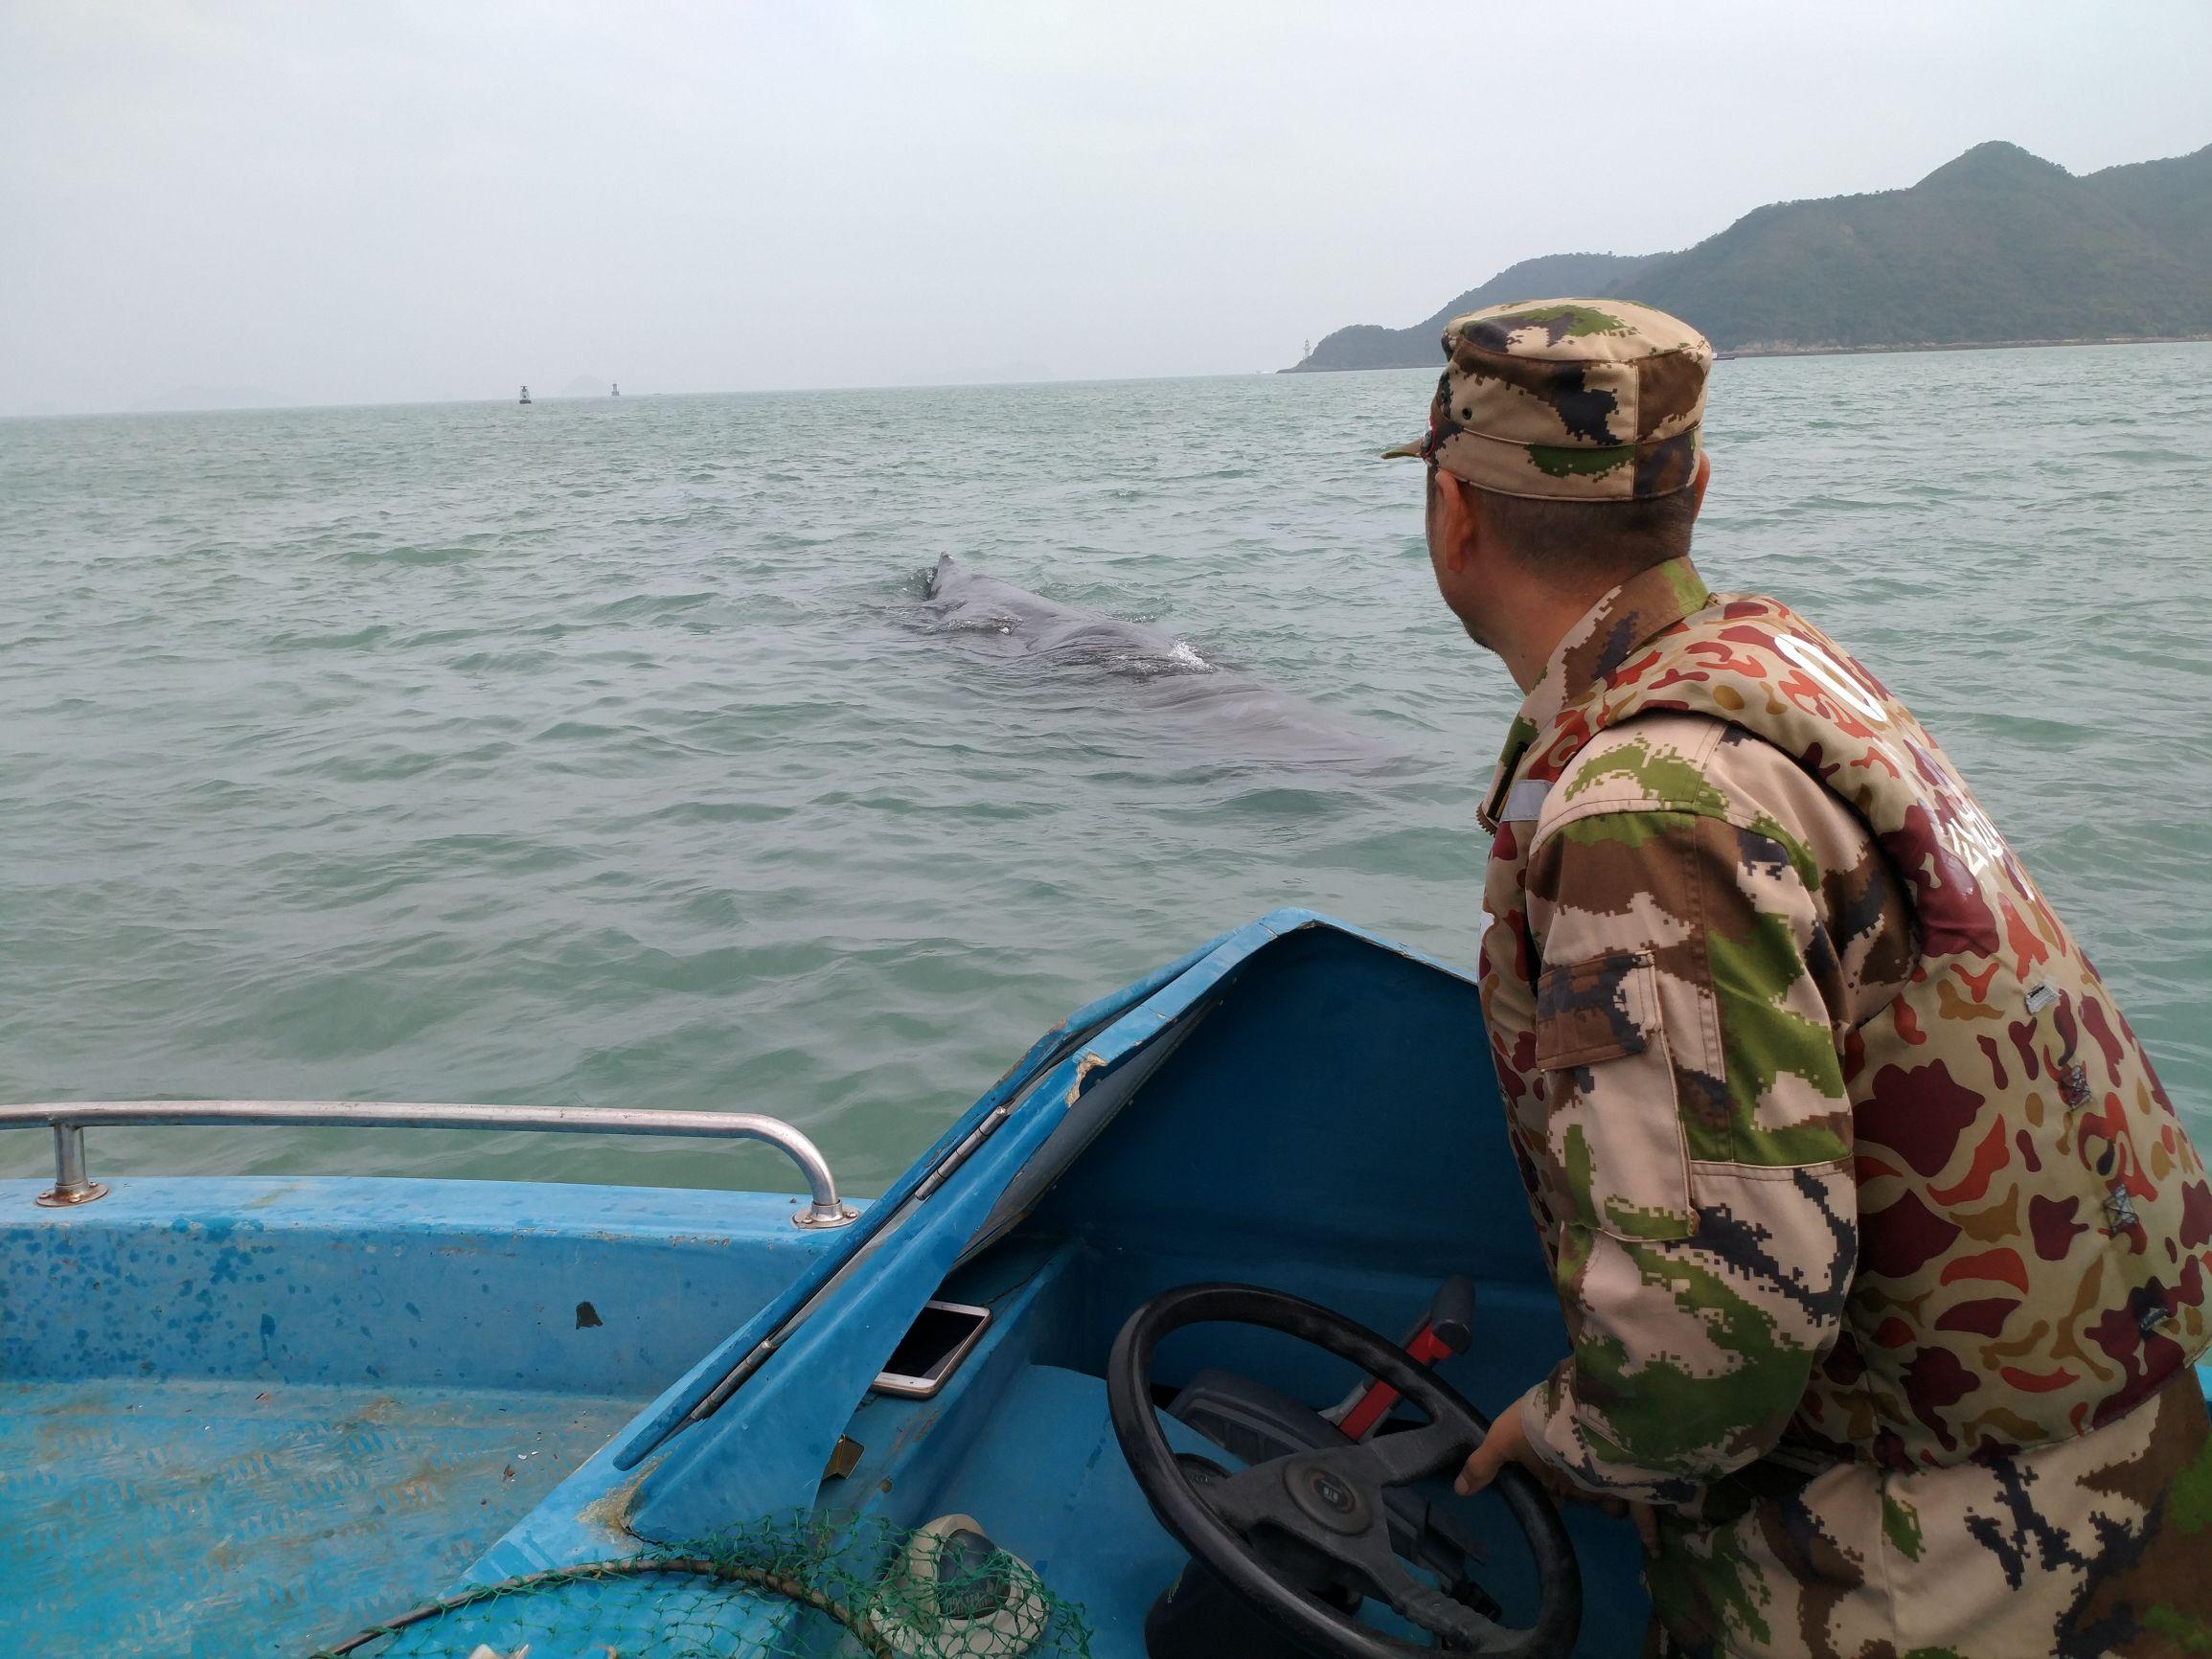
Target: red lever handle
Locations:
point(1447, 1330)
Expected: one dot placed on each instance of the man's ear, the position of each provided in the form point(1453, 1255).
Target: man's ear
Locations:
point(1458, 519)
point(1698, 482)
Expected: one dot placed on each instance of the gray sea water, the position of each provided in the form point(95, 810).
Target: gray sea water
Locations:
point(596, 752)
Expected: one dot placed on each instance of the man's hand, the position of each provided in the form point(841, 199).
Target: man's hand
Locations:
point(1508, 1443)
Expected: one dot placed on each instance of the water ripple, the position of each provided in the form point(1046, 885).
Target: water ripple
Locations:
point(588, 753)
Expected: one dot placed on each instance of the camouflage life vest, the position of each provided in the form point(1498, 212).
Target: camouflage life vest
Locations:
point(2034, 1221)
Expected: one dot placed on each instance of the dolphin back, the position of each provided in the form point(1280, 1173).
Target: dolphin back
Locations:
point(996, 619)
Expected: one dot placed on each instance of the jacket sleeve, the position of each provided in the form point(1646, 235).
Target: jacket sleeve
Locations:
point(1689, 1018)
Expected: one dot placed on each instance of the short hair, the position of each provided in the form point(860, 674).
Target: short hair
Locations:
point(1617, 536)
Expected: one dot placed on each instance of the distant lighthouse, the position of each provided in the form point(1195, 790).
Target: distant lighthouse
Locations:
point(615, 389)
point(526, 394)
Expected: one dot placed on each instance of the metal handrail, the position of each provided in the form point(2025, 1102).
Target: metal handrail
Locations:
point(69, 1118)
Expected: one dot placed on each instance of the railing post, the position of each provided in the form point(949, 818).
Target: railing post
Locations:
point(825, 1213)
point(70, 1187)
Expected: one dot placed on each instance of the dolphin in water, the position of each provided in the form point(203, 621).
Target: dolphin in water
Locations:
point(1008, 620)
point(1236, 714)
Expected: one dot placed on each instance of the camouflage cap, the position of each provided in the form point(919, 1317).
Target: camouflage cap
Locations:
point(1571, 400)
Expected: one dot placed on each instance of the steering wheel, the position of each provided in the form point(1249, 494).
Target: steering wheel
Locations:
point(1330, 1501)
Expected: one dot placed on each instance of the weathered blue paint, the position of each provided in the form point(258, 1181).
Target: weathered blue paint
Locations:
point(140, 1516)
point(239, 1415)
point(474, 1283)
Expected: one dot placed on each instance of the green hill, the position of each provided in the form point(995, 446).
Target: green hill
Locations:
point(2170, 199)
point(1997, 245)
point(1364, 346)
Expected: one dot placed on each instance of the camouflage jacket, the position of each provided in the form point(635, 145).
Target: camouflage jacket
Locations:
point(1836, 1141)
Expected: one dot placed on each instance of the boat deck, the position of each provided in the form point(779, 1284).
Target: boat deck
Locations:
point(302, 1511)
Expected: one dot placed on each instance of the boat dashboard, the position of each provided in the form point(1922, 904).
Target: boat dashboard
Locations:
point(1323, 1127)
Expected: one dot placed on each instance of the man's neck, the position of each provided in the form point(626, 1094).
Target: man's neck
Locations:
point(1531, 623)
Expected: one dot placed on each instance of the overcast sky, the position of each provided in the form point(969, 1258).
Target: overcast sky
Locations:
point(400, 199)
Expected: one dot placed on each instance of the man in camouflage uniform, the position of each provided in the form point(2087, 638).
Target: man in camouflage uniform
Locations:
point(1882, 1254)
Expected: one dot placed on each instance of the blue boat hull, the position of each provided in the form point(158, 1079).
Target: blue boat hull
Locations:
point(248, 1416)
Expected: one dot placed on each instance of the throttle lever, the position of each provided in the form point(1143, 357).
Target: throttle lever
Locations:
point(1446, 1329)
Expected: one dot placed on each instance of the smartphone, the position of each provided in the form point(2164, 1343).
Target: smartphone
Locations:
point(932, 1348)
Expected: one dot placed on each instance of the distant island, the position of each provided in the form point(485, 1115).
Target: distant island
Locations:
point(1998, 247)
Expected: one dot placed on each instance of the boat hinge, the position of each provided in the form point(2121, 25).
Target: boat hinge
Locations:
point(961, 1153)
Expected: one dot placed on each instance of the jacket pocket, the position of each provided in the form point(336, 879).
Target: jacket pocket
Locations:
point(1613, 1124)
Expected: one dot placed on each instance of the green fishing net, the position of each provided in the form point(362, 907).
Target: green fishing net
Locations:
point(794, 1590)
